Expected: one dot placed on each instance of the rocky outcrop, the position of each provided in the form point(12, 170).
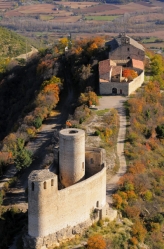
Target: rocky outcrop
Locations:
point(48, 242)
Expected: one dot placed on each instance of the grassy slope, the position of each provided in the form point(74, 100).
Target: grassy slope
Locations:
point(11, 44)
point(101, 18)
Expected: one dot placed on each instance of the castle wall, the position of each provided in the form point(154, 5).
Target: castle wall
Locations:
point(94, 160)
point(71, 156)
point(74, 203)
point(127, 51)
point(136, 83)
point(51, 210)
point(123, 88)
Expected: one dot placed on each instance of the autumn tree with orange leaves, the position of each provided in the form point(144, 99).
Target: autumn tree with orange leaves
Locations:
point(129, 74)
point(96, 242)
point(140, 189)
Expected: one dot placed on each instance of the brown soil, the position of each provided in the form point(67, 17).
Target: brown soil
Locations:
point(98, 8)
point(81, 5)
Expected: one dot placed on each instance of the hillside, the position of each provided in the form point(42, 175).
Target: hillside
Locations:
point(11, 43)
point(29, 93)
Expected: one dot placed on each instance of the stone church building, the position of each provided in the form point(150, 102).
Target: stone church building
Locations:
point(125, 53)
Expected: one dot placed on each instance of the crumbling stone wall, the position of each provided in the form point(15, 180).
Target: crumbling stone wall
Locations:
point(94, 160)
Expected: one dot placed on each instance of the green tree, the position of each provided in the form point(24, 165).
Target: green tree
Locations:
point(160, 130)
point(37, 122)
point(157, 65)
point(1, 197)
point(23, 159)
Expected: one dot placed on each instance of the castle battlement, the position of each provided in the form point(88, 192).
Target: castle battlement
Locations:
point(52, 211)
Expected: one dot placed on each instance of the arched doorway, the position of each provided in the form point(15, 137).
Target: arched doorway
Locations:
point(114, 90)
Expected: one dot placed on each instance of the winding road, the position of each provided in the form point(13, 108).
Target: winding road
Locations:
point(39, 145)
point(117, 103)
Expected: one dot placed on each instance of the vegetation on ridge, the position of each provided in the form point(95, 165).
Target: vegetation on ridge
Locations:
point(28, 94)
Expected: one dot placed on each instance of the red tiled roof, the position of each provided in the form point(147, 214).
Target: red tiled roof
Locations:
point(137, 64)
point(105, 76)
point(104, 66)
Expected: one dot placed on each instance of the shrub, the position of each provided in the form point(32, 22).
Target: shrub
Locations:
point(100, 223)
point(97, 133)
point(37, 122)
point(148, 195)
point(96, 242)
point(23, 159)
point(89, 98)
point(1, 197)
point(160, 130)
point(81, 120)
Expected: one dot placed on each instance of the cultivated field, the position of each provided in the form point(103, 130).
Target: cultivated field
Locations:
point(86, 18)
point(4, 5)
point(76, 5)
point(101, 18)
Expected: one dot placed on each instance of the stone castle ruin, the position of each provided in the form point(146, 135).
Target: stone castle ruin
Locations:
point(54, 213)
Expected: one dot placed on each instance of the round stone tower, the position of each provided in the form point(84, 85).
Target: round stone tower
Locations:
point(42, 189)
point(71, 156)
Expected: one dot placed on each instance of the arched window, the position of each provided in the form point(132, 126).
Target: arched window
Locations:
point(52, 182)
point(45, 185)
point(91, 161)
point(32, 186)
point(97, 204)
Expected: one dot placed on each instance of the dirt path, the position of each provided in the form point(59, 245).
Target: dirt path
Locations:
point(38, 146)
point(16, 196)
point(117, 103)
point(28, 55)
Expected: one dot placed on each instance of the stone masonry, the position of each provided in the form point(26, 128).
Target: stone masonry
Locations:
point(55, 215)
